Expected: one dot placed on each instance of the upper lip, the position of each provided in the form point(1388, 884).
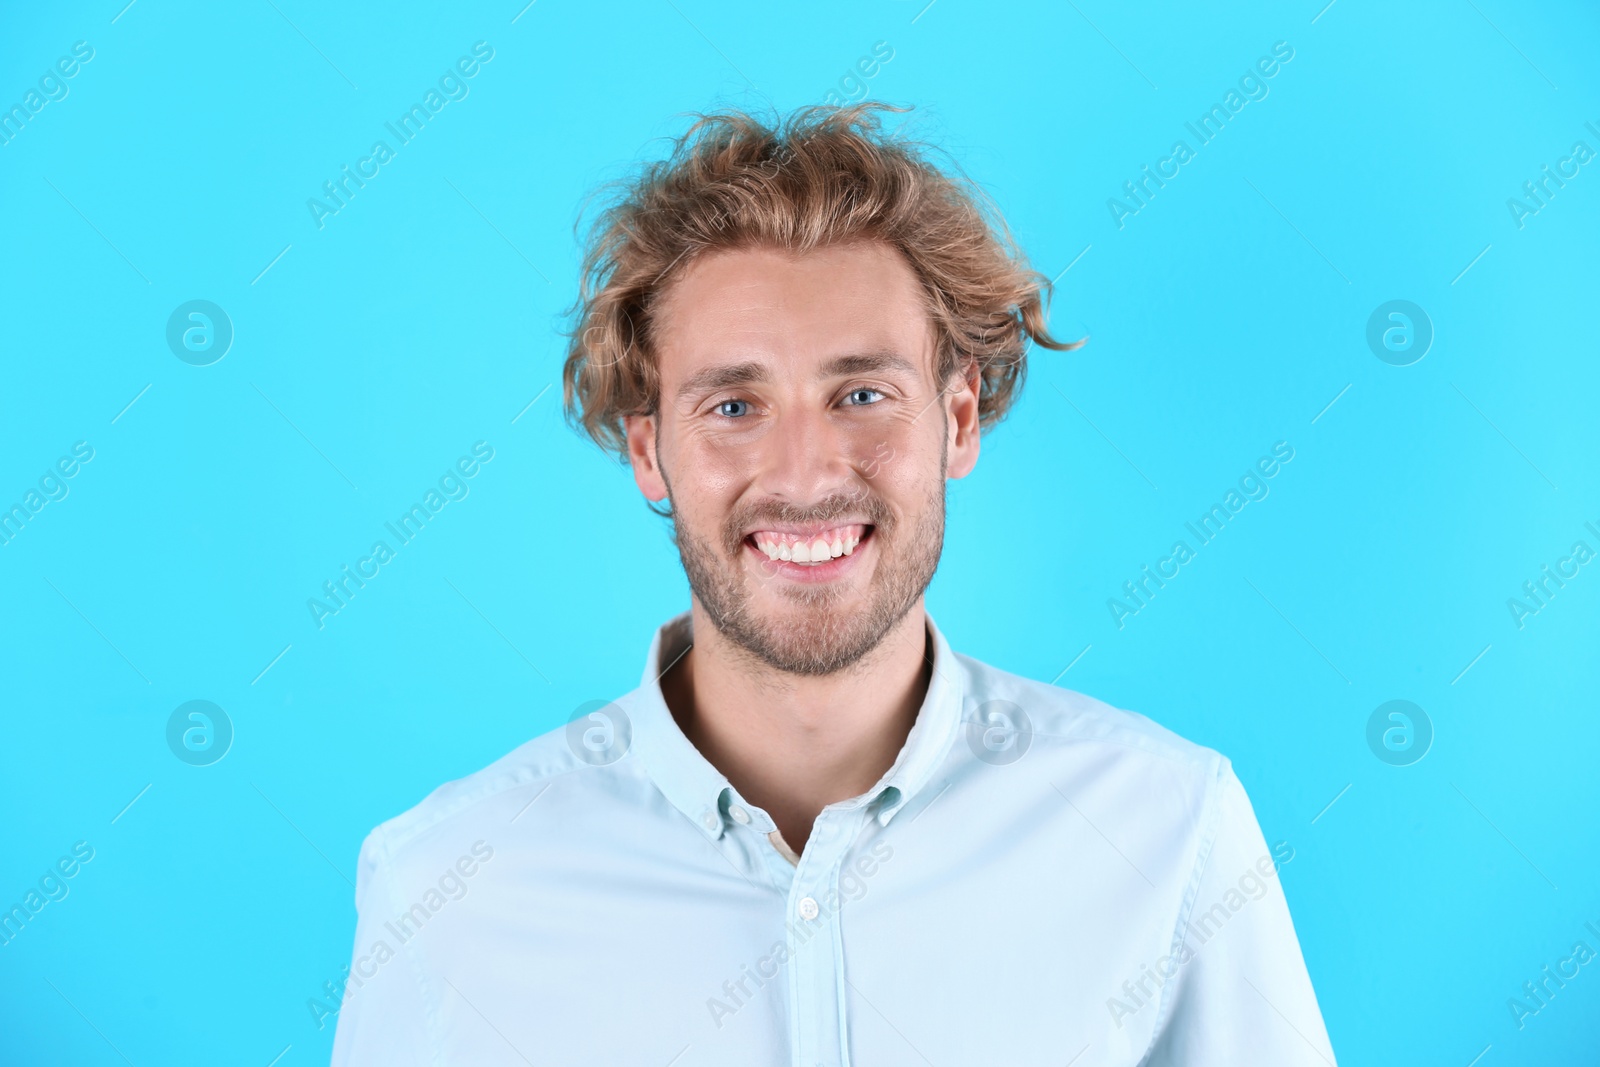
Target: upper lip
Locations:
point(805, 529)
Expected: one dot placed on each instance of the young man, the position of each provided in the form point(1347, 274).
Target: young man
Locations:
point(815, 835)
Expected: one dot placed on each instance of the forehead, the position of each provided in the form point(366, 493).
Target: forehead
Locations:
point(795, 309)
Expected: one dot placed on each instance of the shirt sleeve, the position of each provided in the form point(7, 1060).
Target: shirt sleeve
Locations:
point(1238, 992)
point(384, 1016)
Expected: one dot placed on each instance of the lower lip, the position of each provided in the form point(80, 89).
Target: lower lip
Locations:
point(804, 572)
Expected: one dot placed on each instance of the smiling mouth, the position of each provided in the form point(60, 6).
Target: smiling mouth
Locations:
point(809, 548)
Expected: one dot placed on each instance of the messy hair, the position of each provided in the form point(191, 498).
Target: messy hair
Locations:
point(824, 175)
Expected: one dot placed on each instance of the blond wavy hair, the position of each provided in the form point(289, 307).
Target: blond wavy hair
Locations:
point(824, 175)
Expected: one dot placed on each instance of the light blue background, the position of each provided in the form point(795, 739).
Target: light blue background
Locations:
point(1224, 316)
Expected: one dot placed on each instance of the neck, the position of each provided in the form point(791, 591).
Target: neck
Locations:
point(794, 744)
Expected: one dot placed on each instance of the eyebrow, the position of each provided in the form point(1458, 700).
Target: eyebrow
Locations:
point(727, 375)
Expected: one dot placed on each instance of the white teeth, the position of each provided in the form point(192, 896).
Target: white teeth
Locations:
point(818, 550)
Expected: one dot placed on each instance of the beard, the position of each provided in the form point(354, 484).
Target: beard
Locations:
point(819, 634)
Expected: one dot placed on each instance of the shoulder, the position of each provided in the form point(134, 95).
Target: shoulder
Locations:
point(1161, 797)
point(1075, 726)
point(462, 813)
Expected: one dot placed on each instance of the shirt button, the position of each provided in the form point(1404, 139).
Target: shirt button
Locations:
point(711, 821)
point(739, 815)
point(808, 909)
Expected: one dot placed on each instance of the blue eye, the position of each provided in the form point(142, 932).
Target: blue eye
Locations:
point(722, 408)
point(856, 393)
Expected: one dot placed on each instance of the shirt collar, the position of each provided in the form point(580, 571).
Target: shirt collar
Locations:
point(701, 792)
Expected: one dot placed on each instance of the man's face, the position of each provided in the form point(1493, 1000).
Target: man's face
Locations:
point(804, 444)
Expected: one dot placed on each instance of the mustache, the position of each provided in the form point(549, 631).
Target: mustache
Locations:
point(868, 507)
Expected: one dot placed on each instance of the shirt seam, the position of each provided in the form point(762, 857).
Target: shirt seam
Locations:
point(416, 825)
point(1212, 818)
point(841, 998)
point(431, 1028)
point(1202, 755)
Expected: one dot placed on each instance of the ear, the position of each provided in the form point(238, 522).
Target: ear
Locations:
point(961, 400)
point(641, 430)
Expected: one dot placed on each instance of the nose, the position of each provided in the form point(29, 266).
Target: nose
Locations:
point(804, 458)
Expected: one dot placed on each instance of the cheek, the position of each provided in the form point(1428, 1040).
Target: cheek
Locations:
point(710, 478)
point(898, 458)
point(704, 494)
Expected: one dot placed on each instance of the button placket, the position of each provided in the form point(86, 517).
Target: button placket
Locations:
point(816, 966)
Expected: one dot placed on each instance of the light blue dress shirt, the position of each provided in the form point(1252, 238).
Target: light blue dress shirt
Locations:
point(1039, 879)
